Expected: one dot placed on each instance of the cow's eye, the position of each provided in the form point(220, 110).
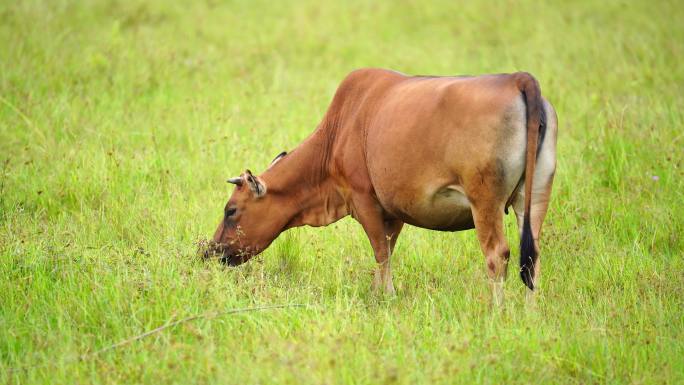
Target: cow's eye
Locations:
point(229, 212)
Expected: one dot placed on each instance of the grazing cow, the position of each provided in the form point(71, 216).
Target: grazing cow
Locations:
point(442, 153)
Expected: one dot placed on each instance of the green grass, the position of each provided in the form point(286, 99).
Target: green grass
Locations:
point(121, 120)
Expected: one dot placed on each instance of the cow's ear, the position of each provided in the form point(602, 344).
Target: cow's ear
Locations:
point(255, 184)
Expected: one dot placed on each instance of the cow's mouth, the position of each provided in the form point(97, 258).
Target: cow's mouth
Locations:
point(226, 254)
point(232, 260)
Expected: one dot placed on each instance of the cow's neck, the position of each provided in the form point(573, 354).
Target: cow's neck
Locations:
point(302, 182)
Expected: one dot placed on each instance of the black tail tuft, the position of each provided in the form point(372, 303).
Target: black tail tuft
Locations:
point(528, 255)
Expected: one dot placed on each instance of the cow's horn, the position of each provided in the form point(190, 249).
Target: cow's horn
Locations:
point(236, 181)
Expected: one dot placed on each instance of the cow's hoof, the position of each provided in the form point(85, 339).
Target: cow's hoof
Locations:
point(383, 285)
point(531, 299)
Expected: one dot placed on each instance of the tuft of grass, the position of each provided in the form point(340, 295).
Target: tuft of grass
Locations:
point(120, 121)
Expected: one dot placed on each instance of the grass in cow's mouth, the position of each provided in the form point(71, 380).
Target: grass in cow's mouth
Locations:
point(205, 251)
point(121, 121)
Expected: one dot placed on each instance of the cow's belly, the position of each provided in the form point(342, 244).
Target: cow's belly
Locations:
point(444, 209)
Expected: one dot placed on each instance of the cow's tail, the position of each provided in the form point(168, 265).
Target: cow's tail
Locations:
point(529, 87)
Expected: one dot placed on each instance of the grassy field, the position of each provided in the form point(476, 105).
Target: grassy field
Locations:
point(121, 120)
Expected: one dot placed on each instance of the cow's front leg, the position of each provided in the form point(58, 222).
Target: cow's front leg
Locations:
point(382, 280)
point(382, 234)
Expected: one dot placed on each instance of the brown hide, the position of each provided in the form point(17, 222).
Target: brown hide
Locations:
point(444, 153)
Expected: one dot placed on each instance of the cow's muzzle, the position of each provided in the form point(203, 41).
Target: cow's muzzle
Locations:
point(225, 254)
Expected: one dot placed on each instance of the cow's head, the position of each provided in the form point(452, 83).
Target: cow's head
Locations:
point(252, 219)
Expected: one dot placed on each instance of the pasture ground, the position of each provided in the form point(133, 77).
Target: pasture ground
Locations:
point(121, 120)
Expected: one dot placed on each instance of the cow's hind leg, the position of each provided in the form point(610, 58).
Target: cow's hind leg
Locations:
point(488, 220)
point(541, 191)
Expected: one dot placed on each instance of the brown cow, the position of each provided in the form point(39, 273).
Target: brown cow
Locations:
point(442, 153)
